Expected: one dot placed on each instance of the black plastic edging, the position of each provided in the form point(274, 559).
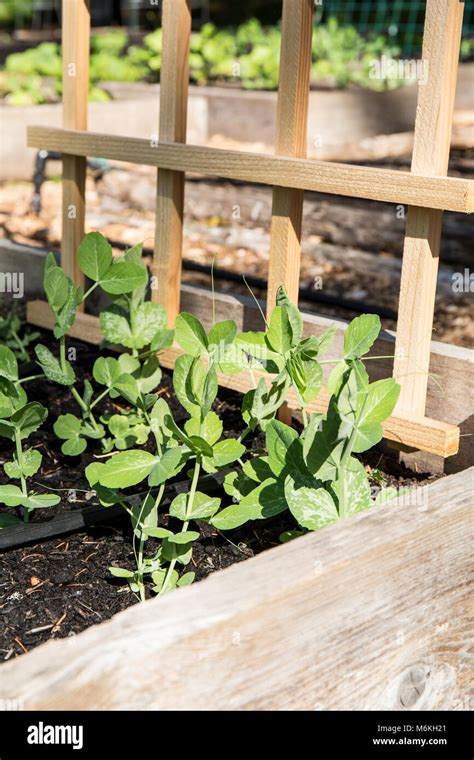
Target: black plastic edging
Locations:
point(92, 514)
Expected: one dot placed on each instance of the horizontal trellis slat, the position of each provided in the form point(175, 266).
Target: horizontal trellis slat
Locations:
point(445, 193)
point(421, 432)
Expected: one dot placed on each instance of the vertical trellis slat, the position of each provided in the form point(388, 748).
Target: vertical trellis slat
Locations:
point(291, 140)
point(75, 42)
point(443, 26)
point(174, 78)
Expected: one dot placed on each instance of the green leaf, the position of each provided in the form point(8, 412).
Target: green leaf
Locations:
point(186, 537)
point(267, 500)
point(221, 335)
point(209, 390)
point(382, 397)
point(120, 572)
point(352, 489)
point(227, 451)
point(323, 445)
point(31, 464)
point(145, 515)
point(361, 335)
point(167, 466)
point(186, 579)
point(210, 428)
point(11, 495)
point(149, 318)
point(123, 278)
point(182, 384)
point(55, 284)
point(158, 532)
point(190, 334)
point(159, 576)
point(279, 438)
point(8, 521)
point(8, 364)
point(162, 339)
point(29, 418)
point(258, 469)
point(115, 325)
point(107, 496)
point(66, 316)
point(326, 338)
point(150, 375)
point(67, 426)
point(74, 446)
point(41, 501)
point(204, 506)
point(94, 256)
point(12, 398)
point(260, 404)
point(313, 508)
point(106, 371)
point(127, 386)
point(128, 468)
point(200, 446)
point(52, 368)
point(280, 333)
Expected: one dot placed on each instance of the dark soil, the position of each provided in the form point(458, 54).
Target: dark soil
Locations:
point(61, 586)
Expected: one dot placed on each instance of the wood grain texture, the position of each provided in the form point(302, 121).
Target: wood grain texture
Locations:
point(432, 140)
point(174, 80)
point(430, 435)
point(446, 193)
point(75, 45)
point(291, 139)
point(371, 613)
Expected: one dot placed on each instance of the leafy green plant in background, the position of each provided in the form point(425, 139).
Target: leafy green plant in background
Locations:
point(248, 55)
point(315, 474)
point(18, 419)
point(123, 279)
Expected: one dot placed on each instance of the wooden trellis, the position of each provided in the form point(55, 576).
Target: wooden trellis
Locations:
point(426, 190)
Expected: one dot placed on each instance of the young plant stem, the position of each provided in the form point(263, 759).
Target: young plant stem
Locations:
point(86, 410)
point(189, 509)
point(23, 352)
point(29, 379)
point(21, 464)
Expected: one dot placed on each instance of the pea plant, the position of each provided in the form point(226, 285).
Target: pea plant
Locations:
point(18, 419)
point(14, 336)
point(129, 321)
point(315, 474)
point(198, 444)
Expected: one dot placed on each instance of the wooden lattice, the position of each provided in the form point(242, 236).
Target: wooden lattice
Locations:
point(426, 189)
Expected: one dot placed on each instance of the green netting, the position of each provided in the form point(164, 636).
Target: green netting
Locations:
point(400, 20)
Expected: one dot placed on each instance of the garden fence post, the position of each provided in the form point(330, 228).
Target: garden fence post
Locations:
point(174, 78)
point(75, 43)
point(441, 43)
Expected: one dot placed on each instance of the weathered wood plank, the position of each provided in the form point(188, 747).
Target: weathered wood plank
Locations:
point(446, 193)
point(436, 437)
point(75, 43)
point(371, 613)
point(174, 80)
point(441, 42)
